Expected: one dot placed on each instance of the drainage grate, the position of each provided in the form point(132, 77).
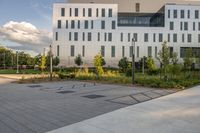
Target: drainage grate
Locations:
point(93, 96)
point(65, 92)
point(34, 86)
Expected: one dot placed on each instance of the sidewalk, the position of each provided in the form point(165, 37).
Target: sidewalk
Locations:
point(175, 113)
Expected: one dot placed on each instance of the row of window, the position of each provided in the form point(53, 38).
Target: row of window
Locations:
point(75, 12)
point(113, 51)
point(184, 26)
point(183, 14)
point(183, 50)
point(77, 24)
point(76, 36)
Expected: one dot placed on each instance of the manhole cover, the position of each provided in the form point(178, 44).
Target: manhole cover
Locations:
point(65, 92)
point(93, 96)
point(34, 86)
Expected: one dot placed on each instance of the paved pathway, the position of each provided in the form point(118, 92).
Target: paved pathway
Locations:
point(176, 113)
point(38, 108)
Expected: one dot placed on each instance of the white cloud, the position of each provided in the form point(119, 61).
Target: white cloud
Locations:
point(26, 34)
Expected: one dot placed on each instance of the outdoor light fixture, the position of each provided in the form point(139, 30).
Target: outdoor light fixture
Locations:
point(133, 60)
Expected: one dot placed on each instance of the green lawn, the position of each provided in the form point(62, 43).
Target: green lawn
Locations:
point(24, 71)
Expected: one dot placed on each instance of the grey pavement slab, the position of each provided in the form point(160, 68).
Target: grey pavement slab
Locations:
point(38, 108)
point(175, 113)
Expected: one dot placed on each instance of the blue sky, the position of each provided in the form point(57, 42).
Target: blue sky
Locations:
point(35, 14)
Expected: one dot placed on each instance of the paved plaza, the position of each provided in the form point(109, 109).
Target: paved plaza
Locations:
point(176, 113)
point(38, 108)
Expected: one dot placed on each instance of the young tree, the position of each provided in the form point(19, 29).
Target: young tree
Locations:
point(163, 57)
point(42, 63)
point(188, 60)
point(98, 64)
point(151, 65)
point(174, 58)
point(78, 60)
point(123, 64)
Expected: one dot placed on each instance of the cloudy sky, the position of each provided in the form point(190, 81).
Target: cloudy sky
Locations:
point(26, 24)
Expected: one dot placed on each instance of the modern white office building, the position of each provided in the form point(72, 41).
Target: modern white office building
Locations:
point(91, 28)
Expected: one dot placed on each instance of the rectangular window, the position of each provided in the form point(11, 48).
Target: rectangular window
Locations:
point(70, 12)
point(146, 37)
point(58, 50)
point(66, 24)
point(160, 37)
point(72, 24)
point(113, 25)
point(137, 7)
point(56, 36)
point(138, 51)
point(188, 13)
point(154, 37)
point(83, 36)
point(89, 12)
point(97, 12)
point(86, 24)
point(83, 12)
point(171, 50)
point(59, 24)
point(103, 14)
point(196, 14)
point(199, 38)
point(83, 51)
point(135, 36)
point(70, 36)
point(103, 51)
point(183, 38)
point(181, 25)
point(109, 12)
point(75, 36)
point(92, 24)
point(149, 51)
point(110, 37)
point(123, 51)
point(194, 26)
point(175, 13)
point(102, 24)
point(199, 26)
point(105, 37)
point(76, 12)
point(89, 36)
point(168, 39)
point(156, 52)
point(189, 37)
point(131, 51)
point(168, 13)
point(182, 14)
point(79, 24)
point(72, 51)
point(185, 25)
point(129, 37)
point(171, 25)
point(98, 39)
point(62, 12)
point(112, 51)
point(122, 37)
point(174, 37)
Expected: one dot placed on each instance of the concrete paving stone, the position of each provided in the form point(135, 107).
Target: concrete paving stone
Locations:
point(127, 100)
point(15, 124)
point(5, 129)
point(152, 94)
point(140, 97)
point(161, 92)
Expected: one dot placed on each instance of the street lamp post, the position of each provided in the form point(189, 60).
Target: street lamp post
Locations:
point(133, 60)
point(17, 62)
point(51, 69)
